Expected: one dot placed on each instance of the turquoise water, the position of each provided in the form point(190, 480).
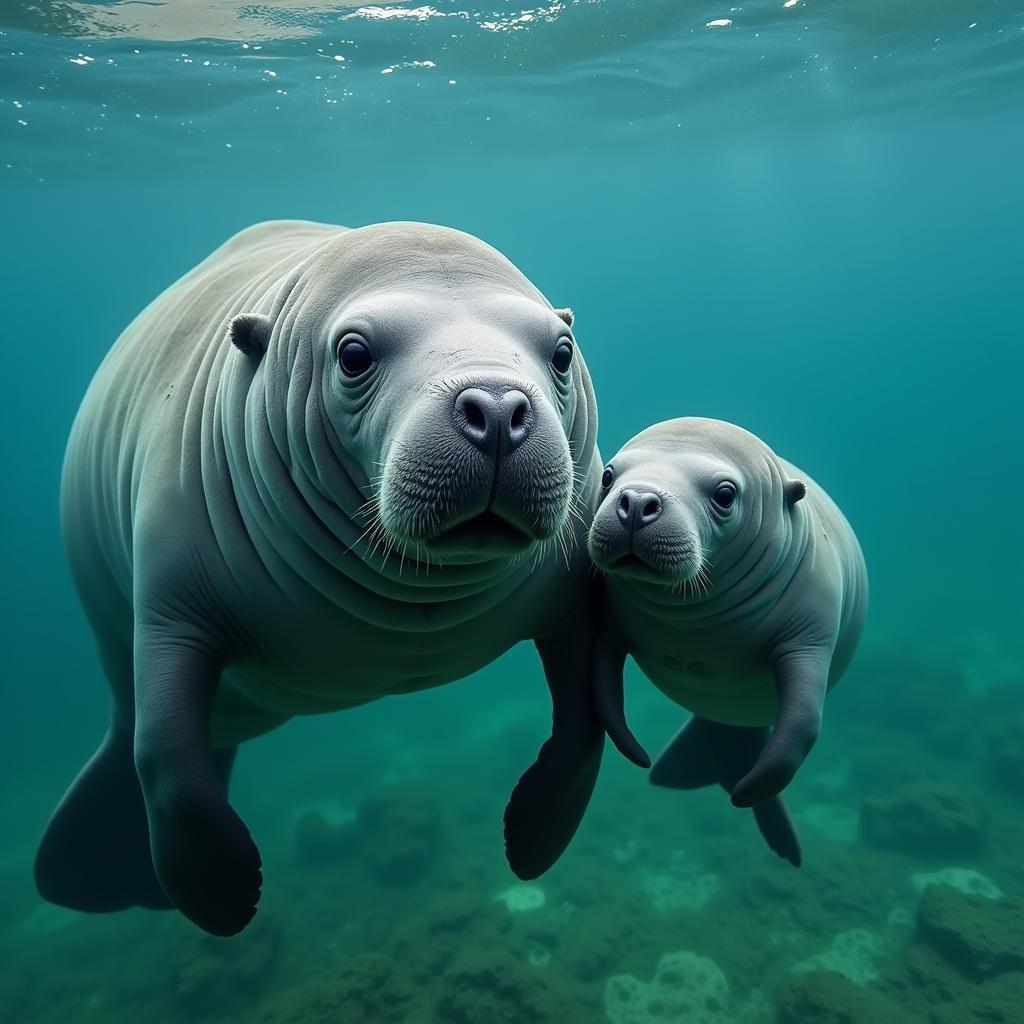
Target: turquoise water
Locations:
point(808, 221)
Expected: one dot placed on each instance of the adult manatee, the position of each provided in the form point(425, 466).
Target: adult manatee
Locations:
point(324, 467)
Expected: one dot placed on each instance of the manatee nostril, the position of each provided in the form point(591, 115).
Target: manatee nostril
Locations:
point(636, 509)
point(516, 412)
point(651, 509)
point(518, 417)
point(474, 415)
point(492, 422)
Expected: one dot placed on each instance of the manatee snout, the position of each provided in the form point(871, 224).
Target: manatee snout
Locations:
point(482, 466)
point(642, 530)
point(494, 420)
point(637, 508)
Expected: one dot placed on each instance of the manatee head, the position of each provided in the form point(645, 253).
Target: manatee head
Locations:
point(450, 389)
point(680, 496)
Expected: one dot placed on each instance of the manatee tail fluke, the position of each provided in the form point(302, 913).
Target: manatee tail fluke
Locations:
point(549, 802)
point(701, 754)
point(94, 855)
point(705, 753)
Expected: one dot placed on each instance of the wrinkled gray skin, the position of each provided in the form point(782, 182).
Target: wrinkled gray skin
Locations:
point(256, 535)
point(744, 616)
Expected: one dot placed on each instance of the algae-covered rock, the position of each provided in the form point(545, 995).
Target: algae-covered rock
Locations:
point(400, 832)
point(997, 1001)
point(685, 987)
point(854, 954)
point(366, 987)
point(590, 957)
point(215, 977)
point(845, 886)
point(369, 988)
point(457, 913)
point(432, 942)
point(492, 987)
point(981, 937)
point(926, 976)
point(927, 819)
point(824, 997)
point(966, 880)
point(672, 891)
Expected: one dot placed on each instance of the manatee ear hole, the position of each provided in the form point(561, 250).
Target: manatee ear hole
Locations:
point(567, 316)
point(795, 490)
point(250, 333)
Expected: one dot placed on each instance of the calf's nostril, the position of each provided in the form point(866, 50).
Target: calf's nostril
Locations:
point(651, 509)
point(624, 503)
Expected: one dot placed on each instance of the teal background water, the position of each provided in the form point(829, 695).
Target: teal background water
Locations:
point(808, 222)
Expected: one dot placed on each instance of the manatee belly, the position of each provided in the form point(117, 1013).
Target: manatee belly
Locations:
point(728, 686)
point(344, 663)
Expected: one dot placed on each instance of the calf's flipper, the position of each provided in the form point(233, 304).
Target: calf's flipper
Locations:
point(801, 681)
point(609, 699)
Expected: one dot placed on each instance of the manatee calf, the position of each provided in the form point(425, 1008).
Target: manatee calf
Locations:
point(324, 467)
point(740, 591)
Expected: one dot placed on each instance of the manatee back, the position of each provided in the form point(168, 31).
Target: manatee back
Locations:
point(158, 346)
point(833, 531)
point(154, 382)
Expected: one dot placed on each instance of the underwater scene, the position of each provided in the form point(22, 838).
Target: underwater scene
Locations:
point(805, 218)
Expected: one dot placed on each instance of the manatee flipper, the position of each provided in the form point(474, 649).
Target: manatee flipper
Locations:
point(606, 680)
point(801, 681)
point(706, 753)
point(779, 831)
point(549, 801)
point(203, 854)
point(94, 855)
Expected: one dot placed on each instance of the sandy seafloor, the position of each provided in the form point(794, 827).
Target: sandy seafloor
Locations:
point(386, 897)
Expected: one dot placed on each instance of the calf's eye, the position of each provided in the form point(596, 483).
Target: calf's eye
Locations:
point(724, 496)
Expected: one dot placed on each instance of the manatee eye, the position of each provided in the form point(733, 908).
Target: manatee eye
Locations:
point(562, 356)
point(353, 355)
point(607, 477)
point(724, 496)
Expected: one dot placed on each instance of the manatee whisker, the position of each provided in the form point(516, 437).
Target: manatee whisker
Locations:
point(374, 525)
point(573, 513)
point(367, 507)
point(380, 537)
point(560, 537)
point(570, 533)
